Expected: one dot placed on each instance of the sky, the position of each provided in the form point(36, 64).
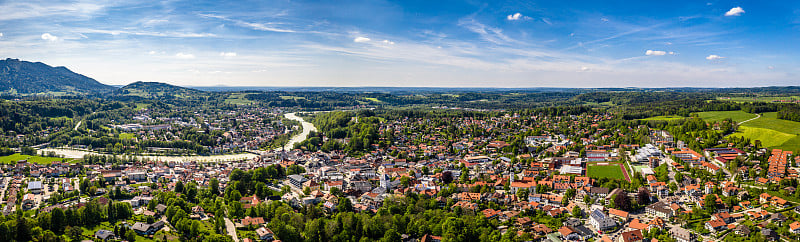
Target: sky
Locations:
point(412, 43)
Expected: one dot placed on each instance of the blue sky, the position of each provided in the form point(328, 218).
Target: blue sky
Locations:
point(412, 43)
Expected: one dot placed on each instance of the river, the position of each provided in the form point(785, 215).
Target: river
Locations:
point(307, 128)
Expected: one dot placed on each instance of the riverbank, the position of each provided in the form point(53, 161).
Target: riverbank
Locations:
point(307, 128)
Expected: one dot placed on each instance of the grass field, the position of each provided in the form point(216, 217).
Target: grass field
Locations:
point(665, 117)
point(238, 99)
point(772, 132)
point(140, 106)
point(127, 136)
point(35, 159)
point(373, 99)
point(292, 97)
point(716, 116)
point(612, 170)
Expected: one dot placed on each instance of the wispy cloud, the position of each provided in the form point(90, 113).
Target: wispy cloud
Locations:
point(361, 39)
point(714, 57)
point(491, 34)
point(271, 27)
point(182, 55)
point(658, 52)
point(12, 10)
point(227, 54)
point(147, 33)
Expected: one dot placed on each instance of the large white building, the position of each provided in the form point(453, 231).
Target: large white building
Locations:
point(600, 221)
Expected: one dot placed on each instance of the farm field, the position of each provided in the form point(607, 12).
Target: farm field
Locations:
point(772, 132)
point(716, 116)
point(35, 159)
point(612, 170)
point(238, 99)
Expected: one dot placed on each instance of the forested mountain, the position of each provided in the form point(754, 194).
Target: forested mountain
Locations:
point(23, 77)
point(153, 90)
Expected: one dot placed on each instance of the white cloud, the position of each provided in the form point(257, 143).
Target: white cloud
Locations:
point(737, 11)
point(714, 57)
point(184, 56)
point(1, 34)
point(655, 52)
point(585, 68)
point(604, 19)
point(227, 54)
point(515, 16)
point(49, 37)
point(361, 39)
point(386, 41)
point(771, 67)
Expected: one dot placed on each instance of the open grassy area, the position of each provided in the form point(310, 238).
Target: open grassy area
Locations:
point(35, 159)
point(768, 137)
point(292, 97)
point(772, 132)
point(612, 170)
point(716, 116)
point(665, 117)
point(373, 99)
point(140, 106)
point(127, 136)
point(238, 99)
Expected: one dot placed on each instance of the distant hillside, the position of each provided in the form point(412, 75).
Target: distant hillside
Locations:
point(23, 77)
point(154, 90)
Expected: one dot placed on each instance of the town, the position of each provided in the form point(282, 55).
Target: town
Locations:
point(529, 177)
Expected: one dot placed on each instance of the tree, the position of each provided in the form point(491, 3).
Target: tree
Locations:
point(75, 233)
point(576, 211)
point(622, 202)
point(179, 187)
point(391, 235)
point(344, 205)
point(643, 197)
point(447, 177)
point(679, 177)
point(214, 185)
point(130, 235)
point(57, 220)
point(710, 203)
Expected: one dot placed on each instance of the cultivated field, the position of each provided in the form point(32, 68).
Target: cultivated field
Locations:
point(773, 132)
point(716, 116)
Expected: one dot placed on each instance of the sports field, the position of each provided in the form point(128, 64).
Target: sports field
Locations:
point(716, 116)
point(772, 132)
point(611, 170)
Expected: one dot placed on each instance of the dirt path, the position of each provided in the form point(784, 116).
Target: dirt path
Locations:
point(758, 115)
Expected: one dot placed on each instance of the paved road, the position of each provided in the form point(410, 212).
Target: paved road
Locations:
point(78, 125)
point(231, 229)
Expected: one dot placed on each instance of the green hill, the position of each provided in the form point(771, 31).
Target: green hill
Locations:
point(154, 90)
point(26, 78)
